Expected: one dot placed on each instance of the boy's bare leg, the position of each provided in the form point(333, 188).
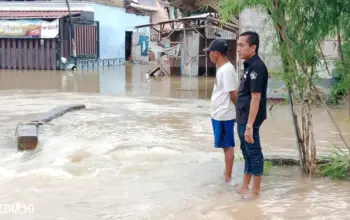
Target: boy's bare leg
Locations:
point(244, 188)
point(255, 192)
point(229, 159)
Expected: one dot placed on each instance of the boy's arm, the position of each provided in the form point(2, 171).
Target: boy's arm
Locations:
point(230, 81)
point(233, 95)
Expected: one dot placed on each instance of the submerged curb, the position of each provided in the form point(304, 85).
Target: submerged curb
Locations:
point(27, 133)
point(287, 161)
point(278, 160)
point(282, 160)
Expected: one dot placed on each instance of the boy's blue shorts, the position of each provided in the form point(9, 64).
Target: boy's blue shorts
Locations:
point(223, 133)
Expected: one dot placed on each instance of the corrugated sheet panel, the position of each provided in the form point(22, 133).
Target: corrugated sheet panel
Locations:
point(213, 32)
point(39, 54)
point(34, 14)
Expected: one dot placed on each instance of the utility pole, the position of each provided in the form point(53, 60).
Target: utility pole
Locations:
point(72, 35)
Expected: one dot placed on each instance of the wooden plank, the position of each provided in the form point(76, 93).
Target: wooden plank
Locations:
point(25, 54)
point(3, 54)
point(37, 52)
point(88, 39)
point(80, 40)
point(61, 36)
point(154, 70)
point(13, 54)
point(84, 41)
point(53, 54)
point(27, 133)
point(30, 55)
point(42, 54)
point(20, 53)
point(8, 54)
point(94, 41)
point(77, 38)
point(48, 57)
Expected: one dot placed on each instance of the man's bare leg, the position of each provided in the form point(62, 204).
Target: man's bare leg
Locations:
point(229, 159)
point(244, 188)
point(255, 192)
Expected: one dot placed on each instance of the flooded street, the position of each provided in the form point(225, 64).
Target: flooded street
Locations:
point(143, 149)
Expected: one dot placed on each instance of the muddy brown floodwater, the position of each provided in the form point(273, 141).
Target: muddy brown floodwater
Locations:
point(143, 150)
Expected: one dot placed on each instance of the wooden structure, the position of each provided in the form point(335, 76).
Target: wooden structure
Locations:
point(27, 133)
point(195, 33)
point(190, 6)
point(24, 45)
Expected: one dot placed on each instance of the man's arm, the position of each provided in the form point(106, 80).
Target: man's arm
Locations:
point(254, 108)
point(256, 84)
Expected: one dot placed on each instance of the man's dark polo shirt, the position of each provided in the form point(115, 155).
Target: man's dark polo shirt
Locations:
point(254, 79)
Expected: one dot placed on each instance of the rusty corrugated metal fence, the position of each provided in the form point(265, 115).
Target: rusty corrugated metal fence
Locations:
point(44, 54)
point(36, 54)
point(87, 40)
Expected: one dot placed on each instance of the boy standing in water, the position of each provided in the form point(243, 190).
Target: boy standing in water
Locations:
point(223, 100)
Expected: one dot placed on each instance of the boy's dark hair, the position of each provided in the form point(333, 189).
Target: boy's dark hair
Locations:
point(253, 39)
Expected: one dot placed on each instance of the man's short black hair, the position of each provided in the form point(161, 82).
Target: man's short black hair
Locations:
point(253, 39)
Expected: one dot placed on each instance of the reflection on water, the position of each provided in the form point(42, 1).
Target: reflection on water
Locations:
point(143, 150)
point(118, 80)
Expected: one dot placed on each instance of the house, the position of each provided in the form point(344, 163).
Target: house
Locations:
point(158, 11)
point(251, 19)
point(34, 35)
point(192, 34)
point(101, 28)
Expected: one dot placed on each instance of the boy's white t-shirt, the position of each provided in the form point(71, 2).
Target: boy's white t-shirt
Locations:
point(222, 108)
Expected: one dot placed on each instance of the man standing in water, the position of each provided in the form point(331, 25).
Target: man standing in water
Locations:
point(223, 100)
point(251, 112)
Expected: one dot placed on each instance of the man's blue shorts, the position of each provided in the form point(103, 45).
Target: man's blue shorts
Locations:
point(223, 133)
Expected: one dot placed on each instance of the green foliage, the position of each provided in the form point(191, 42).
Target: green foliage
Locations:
point(238, 156)
point(301, 27)
point(341, 76)
point(337, 167)
point(306, 24)
point(267, 168)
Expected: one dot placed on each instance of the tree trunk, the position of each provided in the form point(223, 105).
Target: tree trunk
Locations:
point(300, 144)
point(340, 48)
point(324, 59)
point(311, 138)
point(307, 130)
point(305, 139)
point(289, 64)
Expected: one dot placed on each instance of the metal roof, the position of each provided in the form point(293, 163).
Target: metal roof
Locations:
point(143, 7)
point(206, 16)
point(34, 14)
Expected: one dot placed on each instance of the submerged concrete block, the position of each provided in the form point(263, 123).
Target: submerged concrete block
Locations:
point(27, 133)
point(27, 136)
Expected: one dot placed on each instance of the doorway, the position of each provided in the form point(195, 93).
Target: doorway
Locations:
point(128, 44)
